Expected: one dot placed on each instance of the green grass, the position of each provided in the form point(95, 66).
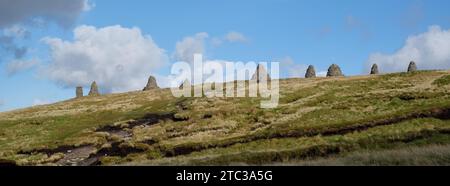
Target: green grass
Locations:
point(230, 130)
point(430, 155)
point(50, 132)
point(443, 81)
point(288, 149)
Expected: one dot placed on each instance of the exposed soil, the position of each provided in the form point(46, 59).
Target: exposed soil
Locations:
point(318, 151)
point(438, 113)
point(61, 149)
point(443, 114)
point(115, 149)
point(126, 135)
point(77, 155)
point(150, 142)
point(149, 119)
point(90, 155)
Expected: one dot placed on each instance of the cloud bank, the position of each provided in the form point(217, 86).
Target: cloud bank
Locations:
point(37, 102)
point(18, 65)
point(294, 70)
point(188, 46)
point(235, 37)
point(18, 17)
point(118, 58)
point(62, 12)
point(430, 50)
point(230, 37)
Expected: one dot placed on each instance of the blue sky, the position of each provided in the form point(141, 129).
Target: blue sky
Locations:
point(319, 32)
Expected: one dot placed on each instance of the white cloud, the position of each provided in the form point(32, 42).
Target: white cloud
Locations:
point(87, 6)
point(18, 65)
point(321, 74)
point(64, 13)
point(292, 69)
point(18, 17)
point(18, 31)
point(119, 59)
point(37, 102)
point(230, 37)
point(196, 44)
point(186, 48)
point(2, 102)
point(235, 37)
point(430, 50)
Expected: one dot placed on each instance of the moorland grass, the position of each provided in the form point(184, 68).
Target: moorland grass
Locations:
point(226, 130)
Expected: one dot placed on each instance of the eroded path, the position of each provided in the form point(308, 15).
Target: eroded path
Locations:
point(87, 155)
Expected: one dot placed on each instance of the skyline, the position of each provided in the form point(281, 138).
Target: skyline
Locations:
point(46, 53)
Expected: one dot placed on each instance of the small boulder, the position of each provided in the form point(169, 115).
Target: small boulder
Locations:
point(310, 72)
point(151, 84)
point(94, 89)
point(412, 67)
point(374, 69)
point(334, 71)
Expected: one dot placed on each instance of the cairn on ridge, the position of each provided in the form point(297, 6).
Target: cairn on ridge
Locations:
point(94, 89)
point(334, 71)
point(186, 83)
point(151, 84)
point(79, 92)
point(374, 69)
point(261, 74)
point(310, 72)
point(412, 67)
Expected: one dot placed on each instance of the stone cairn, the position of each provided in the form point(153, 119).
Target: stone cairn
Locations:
point(94, 89)
point(261, 74)
point(334, 71)
point(310, 72)
point(151, 84)
point(79, 92)
point(186, 83)
point(374, 69)
point(412, 67)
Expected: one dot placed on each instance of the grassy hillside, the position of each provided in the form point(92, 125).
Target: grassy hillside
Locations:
point(392, 119)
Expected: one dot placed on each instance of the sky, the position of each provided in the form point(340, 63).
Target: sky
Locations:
point(48, 47)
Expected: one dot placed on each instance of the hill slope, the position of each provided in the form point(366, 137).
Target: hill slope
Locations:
point(350, 120)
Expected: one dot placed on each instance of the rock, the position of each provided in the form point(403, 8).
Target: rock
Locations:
point(261, 74)
point(412, 67)
point(94, 89)
point(374, 69)
point(334, 71)
point(79, 92)
point(310, 72)
point(151, 84)
point(186, 83)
